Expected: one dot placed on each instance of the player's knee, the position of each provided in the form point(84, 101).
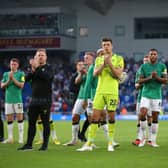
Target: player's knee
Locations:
point(75, 119)
point(111, 121)
point(94, 121)
point(20, 121)
point(155, 121)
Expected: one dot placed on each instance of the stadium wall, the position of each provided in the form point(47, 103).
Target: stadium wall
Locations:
point(118, 23)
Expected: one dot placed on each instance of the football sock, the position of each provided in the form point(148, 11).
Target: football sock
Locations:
point(53, 131)
point(111, 130)
point(21, 129)
point(75, 130)
point(10, 129)
point(40, 129)
point(92, 132)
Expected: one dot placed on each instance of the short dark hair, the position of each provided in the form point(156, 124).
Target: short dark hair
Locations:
point(90, 53)
point(146, 56)
point(41, 49)
point(15, 60)
point(105, 39)
point(153, 49)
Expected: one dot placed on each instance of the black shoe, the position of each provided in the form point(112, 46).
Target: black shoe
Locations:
point(43, 148)
point(82, 138)
point(25, 147)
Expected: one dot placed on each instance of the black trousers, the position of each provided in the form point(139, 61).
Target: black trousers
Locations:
point(33, 113)
point(1, 127)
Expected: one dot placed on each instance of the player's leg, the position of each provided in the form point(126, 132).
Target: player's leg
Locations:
point(85, 125)
point(149, 121)
point(111, 105)
point(144, 106)
point(53, 132)
point(33, 114)
point(155, 127)
point(19, 116)
point(40, 131)
point(45, 117)
point(88, 114)
point(77, 110)
point(155, 108)
point(9, 112)
point(98, 106)
point(103, 122)
point(137, 140)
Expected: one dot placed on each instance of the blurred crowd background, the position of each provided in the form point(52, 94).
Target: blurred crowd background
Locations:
point(62, 100)
point(67, 29)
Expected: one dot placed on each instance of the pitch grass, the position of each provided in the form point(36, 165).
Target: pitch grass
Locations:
point(126, 156)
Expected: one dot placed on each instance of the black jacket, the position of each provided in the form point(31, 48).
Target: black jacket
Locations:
point(41, 82)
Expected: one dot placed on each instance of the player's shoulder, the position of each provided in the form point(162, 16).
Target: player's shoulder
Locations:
point(117, 56)
point(6, 73)
point(20, 72)
point(161, 64)
point(91, 67)
point(145, 65)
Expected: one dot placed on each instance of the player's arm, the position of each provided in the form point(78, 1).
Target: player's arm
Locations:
point(4, 85)
point(137, 86)
point(5, 82)
point(19, 84)
point(98, 67)
point(81, 72)
point(142, 79)
point(162, 79)
point(88, 83)
point(116, 71)
point(97, 70)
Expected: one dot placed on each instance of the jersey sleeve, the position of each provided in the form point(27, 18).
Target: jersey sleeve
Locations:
point(87, 88)
point(22, 78)
point(4, 78)
point(99, 61)
point(120, 62)
point(164, 72)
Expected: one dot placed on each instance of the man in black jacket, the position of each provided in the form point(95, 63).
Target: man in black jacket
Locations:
point(41, 81)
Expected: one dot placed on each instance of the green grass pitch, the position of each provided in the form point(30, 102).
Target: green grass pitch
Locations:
point(59, 156)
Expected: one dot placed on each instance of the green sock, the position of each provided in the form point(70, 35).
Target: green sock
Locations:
point(92, 132)
point(111, 129)
point(40, 129)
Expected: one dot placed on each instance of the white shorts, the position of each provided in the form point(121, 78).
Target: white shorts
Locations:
point(137, 108)
point(78, 107)
point(152, 104)
point(149, 113)
point(89, 108)
point(13, 108)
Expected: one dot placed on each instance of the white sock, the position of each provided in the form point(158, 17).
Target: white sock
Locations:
point(10, 130)
point(75, 129)
point(21, 130)
point(155, 127)
point(150, 133)
point(142, 130)
point(105, 129)
point(138, 132)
